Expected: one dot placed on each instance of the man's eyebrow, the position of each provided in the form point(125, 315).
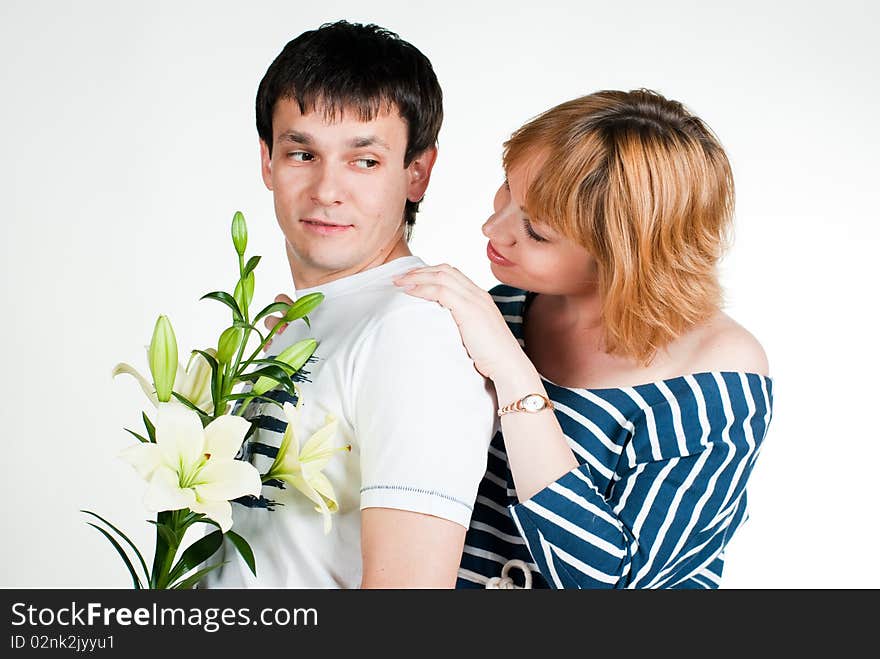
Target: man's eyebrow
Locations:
point(369, 140)
point(296, 137)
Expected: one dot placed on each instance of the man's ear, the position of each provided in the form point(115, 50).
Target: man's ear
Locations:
point(420, 173)
point(265, 164)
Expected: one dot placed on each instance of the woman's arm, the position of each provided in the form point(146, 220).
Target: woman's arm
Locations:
point(668, 516)
point(536, 447)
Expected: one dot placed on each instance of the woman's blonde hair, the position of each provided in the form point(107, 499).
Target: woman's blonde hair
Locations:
point(647, 189)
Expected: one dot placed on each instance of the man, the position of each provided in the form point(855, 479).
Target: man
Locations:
point(348, 117)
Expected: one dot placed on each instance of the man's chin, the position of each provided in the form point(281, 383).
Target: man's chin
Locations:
point(311, 270)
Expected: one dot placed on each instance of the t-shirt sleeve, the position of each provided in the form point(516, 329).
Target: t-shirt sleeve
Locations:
point(423, 415)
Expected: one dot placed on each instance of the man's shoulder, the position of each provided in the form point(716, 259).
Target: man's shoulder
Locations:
point(394, 310)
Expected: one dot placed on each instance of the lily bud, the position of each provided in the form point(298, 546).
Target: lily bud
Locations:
point(294, 356)
point(298, 354)
point(239, 233)
point(228, 344)
point(163, 358)
point(244, 294)
point(303, 306)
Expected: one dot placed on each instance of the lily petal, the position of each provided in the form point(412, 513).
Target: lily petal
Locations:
point(287, 458)
point(195, 381)
point(180, 436)
point(164, 492)
point(317, 450)
point(145, 384)
point(300, 484)
point(219, 511)
point(145, 458)
point(224, 436)
point(222, 480)
point(320, 439)
point(325, 488)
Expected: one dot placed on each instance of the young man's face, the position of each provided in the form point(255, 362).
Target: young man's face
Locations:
point(340, 190)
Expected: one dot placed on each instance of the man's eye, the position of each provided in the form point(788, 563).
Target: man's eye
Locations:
point(366, 163)
point(301, 156)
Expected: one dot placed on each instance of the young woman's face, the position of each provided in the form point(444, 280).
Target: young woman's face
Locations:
point(527, 253)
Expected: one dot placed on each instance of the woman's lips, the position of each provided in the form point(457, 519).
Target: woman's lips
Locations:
point(324, 228)
point(495, 257)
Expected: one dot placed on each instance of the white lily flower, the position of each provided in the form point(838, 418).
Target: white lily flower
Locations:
point(192, 382)
point(303, 468)
point(194, 467)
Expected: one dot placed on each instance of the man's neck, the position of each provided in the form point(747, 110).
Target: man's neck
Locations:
point(306, 277)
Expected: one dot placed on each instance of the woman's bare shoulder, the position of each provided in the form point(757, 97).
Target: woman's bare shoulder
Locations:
point(724, 345)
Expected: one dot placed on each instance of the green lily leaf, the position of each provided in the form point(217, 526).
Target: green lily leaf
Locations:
point(122, 554)
point(197, 553)
point(140, 438)
point(124, 537)
point(244, 549)
point(192, 580)
point(271, 374)
point(269, 360)
point(208, 357)
point(251, 264)
point(228, 300)
point(206, 418)
point(272, 308)
point(167, 533)
point(215, 384)
point(151, 429)
point(245, 396)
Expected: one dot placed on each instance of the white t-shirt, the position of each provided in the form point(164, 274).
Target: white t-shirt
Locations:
point(418, 416)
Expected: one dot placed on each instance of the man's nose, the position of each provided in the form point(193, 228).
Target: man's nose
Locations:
point(326, 186)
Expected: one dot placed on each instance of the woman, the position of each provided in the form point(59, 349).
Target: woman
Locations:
point(606, 235)
point(632, 408)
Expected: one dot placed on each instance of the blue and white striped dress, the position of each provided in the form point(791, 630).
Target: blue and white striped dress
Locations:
point(659, 491)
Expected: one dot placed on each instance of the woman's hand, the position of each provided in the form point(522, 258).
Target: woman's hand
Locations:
point(272, 321)
point(484, 333)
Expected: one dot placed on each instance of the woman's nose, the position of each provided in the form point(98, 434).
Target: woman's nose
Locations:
point(497, 229)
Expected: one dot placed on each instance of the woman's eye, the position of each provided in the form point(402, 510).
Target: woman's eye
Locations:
point(530, 232)
point(301, 156)
point(366, 163)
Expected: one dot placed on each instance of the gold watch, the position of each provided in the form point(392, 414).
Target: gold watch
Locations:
point(529, 403)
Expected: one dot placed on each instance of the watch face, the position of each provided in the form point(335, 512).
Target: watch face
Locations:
point(533, 403)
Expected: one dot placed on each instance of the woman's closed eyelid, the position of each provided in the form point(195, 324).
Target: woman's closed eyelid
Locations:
point(530, 231)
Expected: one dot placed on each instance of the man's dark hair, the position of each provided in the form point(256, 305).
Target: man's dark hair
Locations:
point(344, 67)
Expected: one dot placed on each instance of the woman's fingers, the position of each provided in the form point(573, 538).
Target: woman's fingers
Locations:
point(272, 321)
point(439, 277)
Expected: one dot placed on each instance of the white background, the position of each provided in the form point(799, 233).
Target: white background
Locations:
point(128, 141)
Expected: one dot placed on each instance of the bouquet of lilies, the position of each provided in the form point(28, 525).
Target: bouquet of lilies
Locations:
point(188, 452)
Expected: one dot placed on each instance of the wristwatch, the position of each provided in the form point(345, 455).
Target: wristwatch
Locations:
point(530, 403)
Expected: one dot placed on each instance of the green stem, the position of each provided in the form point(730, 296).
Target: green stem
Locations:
point(168, 558)
point(247, 331)
point(179, 523)
point(259, 348)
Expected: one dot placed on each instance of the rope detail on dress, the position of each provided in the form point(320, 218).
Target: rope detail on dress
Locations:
point(504, 582)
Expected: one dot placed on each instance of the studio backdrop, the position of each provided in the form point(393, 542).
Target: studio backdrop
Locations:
point(129, 142)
